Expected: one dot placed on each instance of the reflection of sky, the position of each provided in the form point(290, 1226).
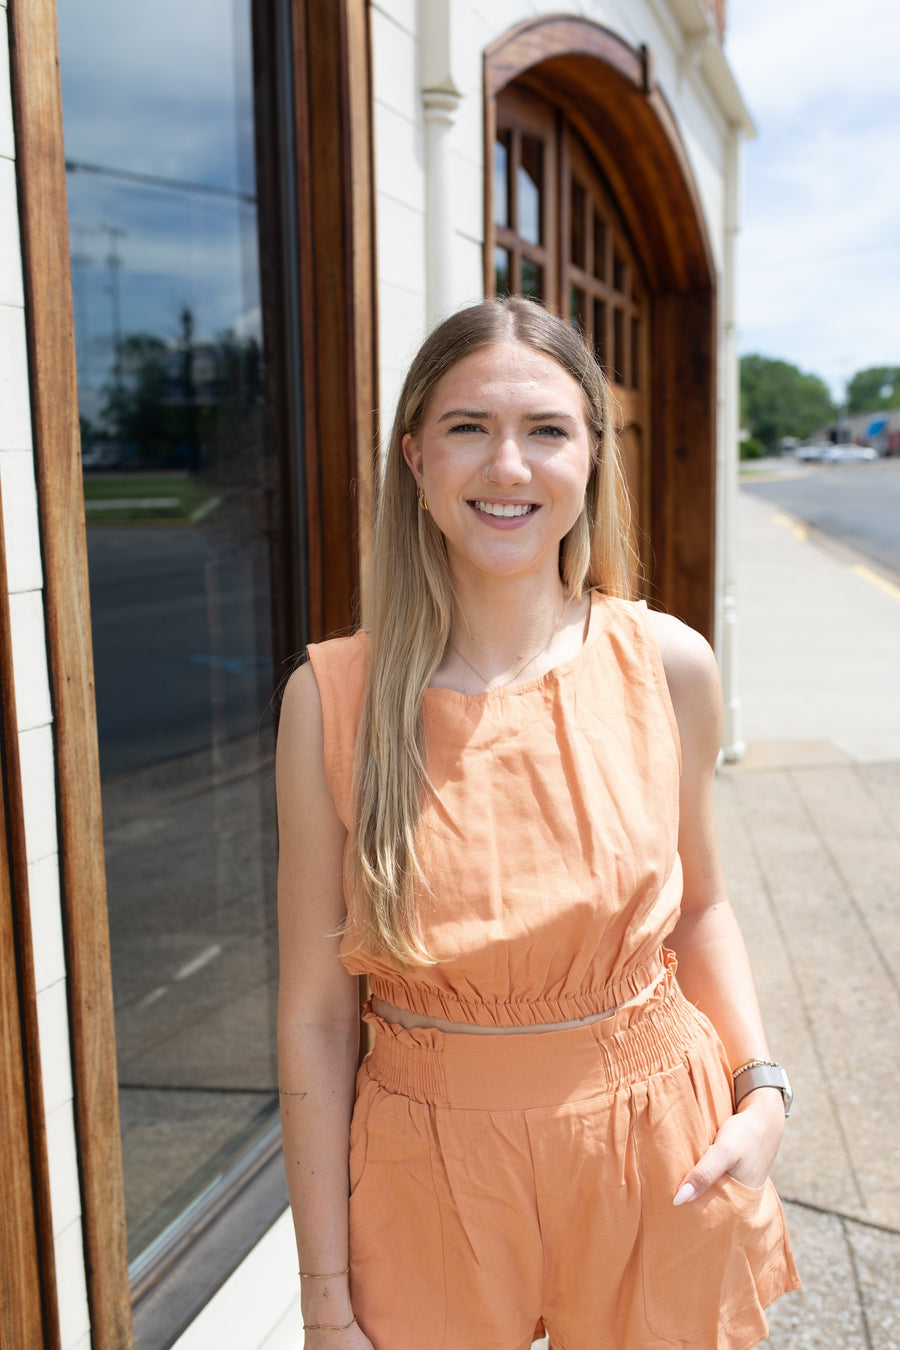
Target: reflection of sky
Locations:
point(163, 90)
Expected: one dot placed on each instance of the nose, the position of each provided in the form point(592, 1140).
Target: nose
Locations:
point(508, 465)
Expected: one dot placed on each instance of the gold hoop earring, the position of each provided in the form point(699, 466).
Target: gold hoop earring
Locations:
point(423, 503)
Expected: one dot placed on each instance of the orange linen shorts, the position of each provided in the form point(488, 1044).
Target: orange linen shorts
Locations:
point(501, 1184)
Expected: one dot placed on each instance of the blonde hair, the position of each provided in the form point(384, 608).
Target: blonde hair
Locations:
point(412, 606)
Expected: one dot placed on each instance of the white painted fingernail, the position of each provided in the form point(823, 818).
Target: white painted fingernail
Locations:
point(684, 1193)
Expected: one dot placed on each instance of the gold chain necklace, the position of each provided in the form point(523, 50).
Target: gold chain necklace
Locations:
point(510, 679)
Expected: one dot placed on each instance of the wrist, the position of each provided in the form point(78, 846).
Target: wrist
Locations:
point(326, 1299)
point(750, 1078)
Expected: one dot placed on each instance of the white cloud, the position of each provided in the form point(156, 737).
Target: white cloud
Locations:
point(819, 272)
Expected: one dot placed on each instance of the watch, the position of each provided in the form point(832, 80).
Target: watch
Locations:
point(757, 1073)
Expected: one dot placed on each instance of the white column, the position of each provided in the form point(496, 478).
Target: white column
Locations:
point(727, 638)
point(440, 107)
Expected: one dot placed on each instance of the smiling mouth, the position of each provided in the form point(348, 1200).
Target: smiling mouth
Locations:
point(500, 509)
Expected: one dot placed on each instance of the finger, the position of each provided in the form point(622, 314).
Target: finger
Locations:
point(714, 1163)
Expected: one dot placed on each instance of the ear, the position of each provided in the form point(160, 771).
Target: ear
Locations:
point(413, 456)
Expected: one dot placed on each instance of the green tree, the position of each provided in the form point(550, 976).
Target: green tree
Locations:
point(778, 399)
point(864, 391)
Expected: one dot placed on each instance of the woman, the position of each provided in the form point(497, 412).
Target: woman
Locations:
point(498, 804)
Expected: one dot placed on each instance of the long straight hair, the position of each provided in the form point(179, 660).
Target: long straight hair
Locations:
point(412, 608)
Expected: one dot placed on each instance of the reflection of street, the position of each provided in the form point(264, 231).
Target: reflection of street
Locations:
point(856, 504)
point(178, 659)
point(186, 759)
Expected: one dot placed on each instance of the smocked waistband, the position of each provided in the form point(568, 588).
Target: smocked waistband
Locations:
point(420, 997)
point(536, 1069)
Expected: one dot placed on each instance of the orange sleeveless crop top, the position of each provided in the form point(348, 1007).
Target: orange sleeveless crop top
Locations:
point(550, 839)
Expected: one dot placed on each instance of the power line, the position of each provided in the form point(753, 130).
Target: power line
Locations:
point(154, 180)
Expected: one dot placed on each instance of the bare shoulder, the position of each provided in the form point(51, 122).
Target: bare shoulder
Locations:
point(299, 751)
point(693, 680)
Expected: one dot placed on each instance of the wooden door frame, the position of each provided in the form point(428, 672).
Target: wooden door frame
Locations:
point(334, 200)
point(608, 93)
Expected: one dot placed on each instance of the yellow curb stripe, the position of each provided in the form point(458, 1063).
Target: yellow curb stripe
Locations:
point(877, 580)
point(797, 529)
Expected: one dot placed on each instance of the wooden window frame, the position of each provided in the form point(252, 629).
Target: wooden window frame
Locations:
point(608, 93)
point(332, 204)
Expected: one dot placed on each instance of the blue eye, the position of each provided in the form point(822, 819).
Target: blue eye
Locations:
point(552, 433)
point(465, 428)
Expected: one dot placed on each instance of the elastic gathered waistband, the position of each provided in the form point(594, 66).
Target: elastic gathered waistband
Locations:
point(535, 1069)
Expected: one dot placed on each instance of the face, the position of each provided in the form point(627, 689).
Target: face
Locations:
point(504, 457)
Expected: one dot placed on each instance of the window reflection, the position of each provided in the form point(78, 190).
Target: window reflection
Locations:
point(501, 178)
point(530, 186)
point(158, 116)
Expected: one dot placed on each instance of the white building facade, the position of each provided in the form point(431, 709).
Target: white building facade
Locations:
point(202, 463)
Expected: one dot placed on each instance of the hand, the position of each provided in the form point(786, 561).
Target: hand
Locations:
point(744, 1148)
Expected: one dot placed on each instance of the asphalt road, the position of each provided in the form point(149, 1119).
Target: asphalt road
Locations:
point(181, 642)
point(856, 504)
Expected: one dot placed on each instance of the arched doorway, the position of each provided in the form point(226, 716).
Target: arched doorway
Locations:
point(591, 208)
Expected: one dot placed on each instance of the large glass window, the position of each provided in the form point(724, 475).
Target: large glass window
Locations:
point(159, 141)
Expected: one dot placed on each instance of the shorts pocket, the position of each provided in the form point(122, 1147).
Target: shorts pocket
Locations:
point(701, 1262)
point(395, 1223)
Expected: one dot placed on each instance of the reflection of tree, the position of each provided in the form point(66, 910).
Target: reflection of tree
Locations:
point(187, 404)
point(134, 409)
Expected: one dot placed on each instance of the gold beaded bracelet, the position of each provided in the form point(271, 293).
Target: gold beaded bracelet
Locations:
point(326, 1326)
point(336, 1274)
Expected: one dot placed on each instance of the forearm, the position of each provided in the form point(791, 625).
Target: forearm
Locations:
point(714, 973)
point(317, 1067)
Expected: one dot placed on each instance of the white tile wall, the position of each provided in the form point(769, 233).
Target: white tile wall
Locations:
point(62, 1151)
point(56, 1063)
point(401, 244)
point(7, 144)
point(26, 616)
point(399, 157)
point(38, 792)
point(72, 1289)
point(46, 920)
point(20, 521)
point(15, 407)
point(11, 292)
point(396, 66)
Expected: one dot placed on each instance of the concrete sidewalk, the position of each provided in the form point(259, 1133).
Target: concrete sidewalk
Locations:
point(810, 829)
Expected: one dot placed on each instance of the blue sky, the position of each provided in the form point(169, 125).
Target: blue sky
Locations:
point(819, 251)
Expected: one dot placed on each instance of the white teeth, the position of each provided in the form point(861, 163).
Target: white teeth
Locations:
point(498, 509)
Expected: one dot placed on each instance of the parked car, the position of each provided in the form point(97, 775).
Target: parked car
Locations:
point(847, 453)
point(812, 453)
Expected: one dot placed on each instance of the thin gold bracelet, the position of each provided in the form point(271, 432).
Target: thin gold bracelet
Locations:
point(327, 1326)
point(308, 1275)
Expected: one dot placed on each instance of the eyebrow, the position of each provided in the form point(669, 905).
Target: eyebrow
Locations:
point(480, 415)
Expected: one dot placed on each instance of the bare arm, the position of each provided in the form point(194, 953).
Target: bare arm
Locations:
point(713, 967)
point(318, 1015)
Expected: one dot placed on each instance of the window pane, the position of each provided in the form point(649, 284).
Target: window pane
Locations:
point(578, 209)
point(532, 279)
point(530, 191)
point(501, 270)
point(635, 353)
point(618, 371)
point(600, 332)
point(501, 178)
point(577, 314)
point(159, 143)
point(620, 275)
point(599, 248)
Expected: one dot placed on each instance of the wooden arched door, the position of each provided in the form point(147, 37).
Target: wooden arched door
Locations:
point(559, 237)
